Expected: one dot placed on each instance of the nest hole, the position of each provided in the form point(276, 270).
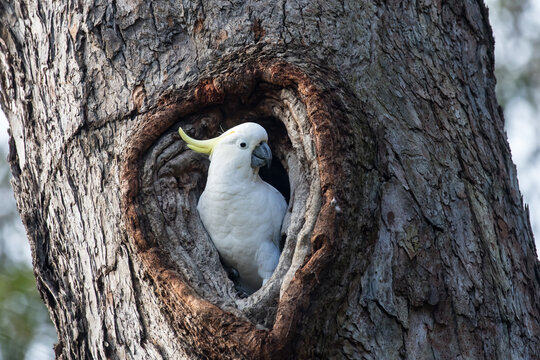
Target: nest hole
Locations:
point(277, 176)
point(174, 177)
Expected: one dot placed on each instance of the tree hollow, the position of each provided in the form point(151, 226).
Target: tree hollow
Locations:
point(173, 177)
point(163, 180)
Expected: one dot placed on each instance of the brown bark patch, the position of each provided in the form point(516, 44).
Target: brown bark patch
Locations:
point(258, 30)
point(198, 26)
point(138, 95)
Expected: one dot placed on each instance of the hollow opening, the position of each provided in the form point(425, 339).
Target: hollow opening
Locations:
point(174, 178)
point(277, 176)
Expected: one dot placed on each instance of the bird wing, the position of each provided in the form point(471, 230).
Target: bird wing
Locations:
point(278, 207)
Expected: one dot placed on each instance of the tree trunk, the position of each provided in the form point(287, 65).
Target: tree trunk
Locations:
point(406, 235)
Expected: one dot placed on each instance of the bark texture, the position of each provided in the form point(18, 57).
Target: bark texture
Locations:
point(406, 235)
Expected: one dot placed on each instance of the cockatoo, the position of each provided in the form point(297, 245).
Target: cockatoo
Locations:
point(241, 213)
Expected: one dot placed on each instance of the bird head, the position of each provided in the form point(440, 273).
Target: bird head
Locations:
point(242, 146)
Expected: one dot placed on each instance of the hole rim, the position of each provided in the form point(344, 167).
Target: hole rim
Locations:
point(172, 289)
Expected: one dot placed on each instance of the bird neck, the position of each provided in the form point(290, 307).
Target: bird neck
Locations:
point(231, 174)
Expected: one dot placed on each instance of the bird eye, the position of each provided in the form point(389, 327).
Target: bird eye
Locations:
point(243, 144)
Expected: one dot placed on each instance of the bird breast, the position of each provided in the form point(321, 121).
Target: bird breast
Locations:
point(240, 219)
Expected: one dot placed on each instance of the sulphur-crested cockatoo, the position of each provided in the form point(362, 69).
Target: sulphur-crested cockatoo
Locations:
point(242, 213)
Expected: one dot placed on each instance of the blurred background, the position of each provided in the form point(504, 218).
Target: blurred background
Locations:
point(25, 328)
point(26, 331)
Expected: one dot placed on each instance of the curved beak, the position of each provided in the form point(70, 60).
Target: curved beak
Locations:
point(261, 155)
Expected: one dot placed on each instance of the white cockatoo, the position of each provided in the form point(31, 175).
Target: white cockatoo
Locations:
point(242, 213)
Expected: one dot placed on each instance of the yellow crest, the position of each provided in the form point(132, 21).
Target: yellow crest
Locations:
point(202, 146)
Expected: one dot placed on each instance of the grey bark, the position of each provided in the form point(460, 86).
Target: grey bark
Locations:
point(406, 236)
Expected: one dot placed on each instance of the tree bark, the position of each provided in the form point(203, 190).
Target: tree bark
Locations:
point(406, 235)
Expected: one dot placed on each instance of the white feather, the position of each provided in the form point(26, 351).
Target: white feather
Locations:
point(242, 213)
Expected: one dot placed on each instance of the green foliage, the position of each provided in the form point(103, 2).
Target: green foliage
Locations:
point(23, 316)
point(517, 37)
point(24, 320)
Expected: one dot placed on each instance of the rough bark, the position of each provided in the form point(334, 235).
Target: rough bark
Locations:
point(406, 235)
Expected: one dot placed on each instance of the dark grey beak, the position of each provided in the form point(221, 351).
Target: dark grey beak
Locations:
point(261, 156)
